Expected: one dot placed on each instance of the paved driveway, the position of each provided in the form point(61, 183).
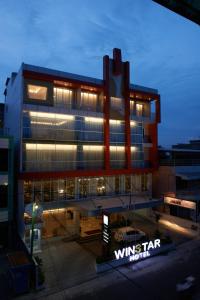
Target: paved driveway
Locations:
point(66, 263)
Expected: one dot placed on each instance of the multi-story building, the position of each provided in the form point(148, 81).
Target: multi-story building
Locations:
point(6, 191)
point(177, 180)
point(84, 144)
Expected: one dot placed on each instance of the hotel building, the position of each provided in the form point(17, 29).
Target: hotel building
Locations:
point(83, 144)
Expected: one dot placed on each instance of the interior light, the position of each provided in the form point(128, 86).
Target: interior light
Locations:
point(133, 149)
point(115, 122)
point(93, 120)
point(50, 115)
point(117, 148)
point(92, 148)
point(50, 147)
point(133, 123)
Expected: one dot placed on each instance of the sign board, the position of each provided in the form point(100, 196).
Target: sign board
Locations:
point(180, 202)
point(106, 228)
point(138, 251)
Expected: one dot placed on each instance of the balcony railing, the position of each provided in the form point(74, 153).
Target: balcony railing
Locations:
point(143, 118)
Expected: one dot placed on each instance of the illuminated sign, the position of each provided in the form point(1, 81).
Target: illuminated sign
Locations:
point(138, 251)
point(106, 229)
point(179, 202)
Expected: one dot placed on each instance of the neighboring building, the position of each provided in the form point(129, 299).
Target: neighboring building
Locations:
point(178, 180)
point(6, 191)
point(83, 144)
point(1, 117)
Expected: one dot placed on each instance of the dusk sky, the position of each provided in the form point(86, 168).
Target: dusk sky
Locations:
point(163, 49)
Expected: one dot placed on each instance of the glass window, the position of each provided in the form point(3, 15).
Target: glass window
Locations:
point(139, 109)
point(37, 92)
point(117, 184)
point(70, 186)
point(83, 188)
point(63, 97)
point(127, 184)
point(88, 101)
point(144, 182)
point(101, 186)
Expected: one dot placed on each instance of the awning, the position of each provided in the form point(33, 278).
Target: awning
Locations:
point(95, 206)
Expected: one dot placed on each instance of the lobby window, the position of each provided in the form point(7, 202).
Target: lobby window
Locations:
point(37, 92)
point(127, 184)
point(139, 109)
point(83, 188)
point(144, 182)
point(117, 184)
point(101, 186)
point(70, 187)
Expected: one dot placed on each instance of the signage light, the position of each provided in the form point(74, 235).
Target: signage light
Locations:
point(138, 251)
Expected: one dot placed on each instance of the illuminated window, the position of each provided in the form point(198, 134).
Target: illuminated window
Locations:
point(37, 92)
point(89, 101)
point(132, 105)
point(139, 109)
point(63, 97)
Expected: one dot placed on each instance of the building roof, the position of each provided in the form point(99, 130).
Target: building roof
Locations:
point(89, 80)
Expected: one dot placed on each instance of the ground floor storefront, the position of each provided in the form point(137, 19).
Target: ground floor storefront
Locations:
point(72, 224)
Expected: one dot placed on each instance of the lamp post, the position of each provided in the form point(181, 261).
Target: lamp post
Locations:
point(34, 213)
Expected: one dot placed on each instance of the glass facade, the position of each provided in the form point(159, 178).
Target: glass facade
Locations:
point(72, 138)
point(77, 188)
point(63, 97)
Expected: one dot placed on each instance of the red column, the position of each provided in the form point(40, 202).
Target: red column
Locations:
point(106, 112)
point(127, 115)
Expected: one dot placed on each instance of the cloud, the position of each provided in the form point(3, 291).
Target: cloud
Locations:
point(162, 47)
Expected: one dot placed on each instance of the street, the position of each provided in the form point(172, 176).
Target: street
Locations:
point(156, 281)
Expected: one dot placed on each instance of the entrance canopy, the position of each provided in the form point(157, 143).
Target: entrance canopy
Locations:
point(95, 206)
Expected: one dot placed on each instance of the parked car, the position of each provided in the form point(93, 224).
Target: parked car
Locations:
point(128, 234)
